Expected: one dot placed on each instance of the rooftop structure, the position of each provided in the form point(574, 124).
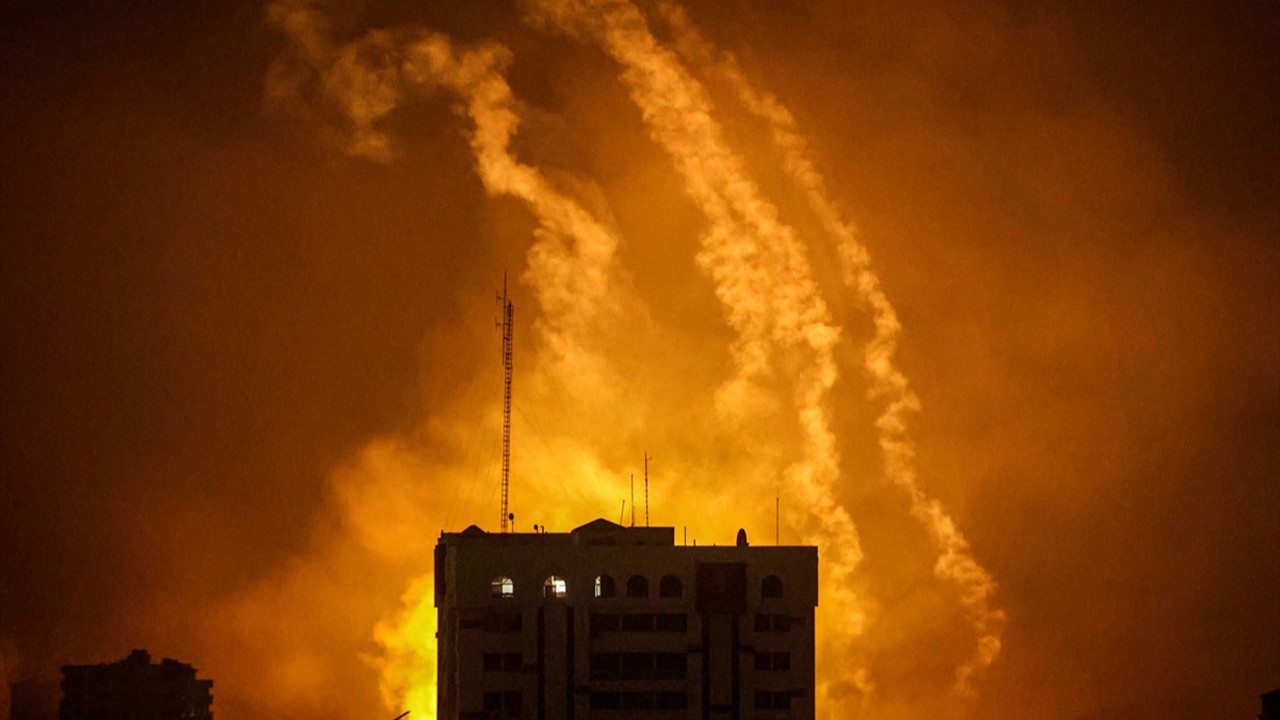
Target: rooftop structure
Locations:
point(135, 689)
point(614, 622)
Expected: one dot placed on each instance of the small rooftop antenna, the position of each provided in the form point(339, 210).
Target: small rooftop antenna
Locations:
point(646, 489)
point(508, 311)
point(633, 499)
point(622, 511)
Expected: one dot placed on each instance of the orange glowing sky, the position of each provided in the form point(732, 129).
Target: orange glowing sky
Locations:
point(986, 294)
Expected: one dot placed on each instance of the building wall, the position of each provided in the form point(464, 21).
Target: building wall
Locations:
point(707, 653)
point(135, 689)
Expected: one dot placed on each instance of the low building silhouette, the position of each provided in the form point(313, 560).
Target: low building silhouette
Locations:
point(614, 622)
point(135, 689)
point(1271, 705)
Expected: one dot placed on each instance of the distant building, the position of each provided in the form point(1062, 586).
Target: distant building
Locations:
point(135, 689)
point(614, 622)
point(1271, 706)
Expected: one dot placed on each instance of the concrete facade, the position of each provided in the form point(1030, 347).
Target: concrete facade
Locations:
point(621, 623)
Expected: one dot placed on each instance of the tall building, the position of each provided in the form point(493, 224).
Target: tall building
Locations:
point(135, 689)
point(614, 622)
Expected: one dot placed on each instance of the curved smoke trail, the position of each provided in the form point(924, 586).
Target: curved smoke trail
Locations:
point(758, 267)
point(762, 277)
point(956, 562)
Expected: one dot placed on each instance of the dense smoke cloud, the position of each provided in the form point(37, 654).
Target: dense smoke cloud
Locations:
point(784, 350)
point(251, 369)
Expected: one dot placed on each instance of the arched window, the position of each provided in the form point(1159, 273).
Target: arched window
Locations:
point(771, 587)
point(605, 587)
point(503, 587)
point(670, 587)
point(638, 587)
point(554, 587)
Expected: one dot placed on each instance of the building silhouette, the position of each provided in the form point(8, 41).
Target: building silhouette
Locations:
point(135, 689)
point(1271, 705)
point(614, 622)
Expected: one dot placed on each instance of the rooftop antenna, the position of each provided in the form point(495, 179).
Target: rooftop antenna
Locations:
point(633, 499)
point(646, 489)
point(508, 311)
point(622, 511)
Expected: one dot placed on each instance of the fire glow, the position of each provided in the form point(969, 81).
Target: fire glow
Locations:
point(756, 425)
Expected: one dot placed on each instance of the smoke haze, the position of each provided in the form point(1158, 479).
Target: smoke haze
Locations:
point(251, 371)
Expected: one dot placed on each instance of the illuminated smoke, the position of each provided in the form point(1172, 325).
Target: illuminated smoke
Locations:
point(783, 354)
point(762, 276)
point(956, 562)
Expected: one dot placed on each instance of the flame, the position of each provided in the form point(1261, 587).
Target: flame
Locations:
point(765, 429)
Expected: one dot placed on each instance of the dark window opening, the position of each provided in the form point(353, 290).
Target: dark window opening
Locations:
point(604, 622)
point(605, 701)
point(637, 622)
point(638, 587)
point(673, 622)
point(771, 587)
point(670, 587)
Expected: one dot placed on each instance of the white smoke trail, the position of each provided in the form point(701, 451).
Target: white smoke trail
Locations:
point(956, 562)
point(762, 277)
point(571, 264)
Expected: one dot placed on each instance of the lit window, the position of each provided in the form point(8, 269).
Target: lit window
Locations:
point(605, 587)
point(554, 587)
point(503, 587)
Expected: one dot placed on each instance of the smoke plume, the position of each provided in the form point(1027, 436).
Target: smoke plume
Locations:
point(782, 354)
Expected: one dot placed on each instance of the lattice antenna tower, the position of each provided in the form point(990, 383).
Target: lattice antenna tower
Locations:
point(508, 312)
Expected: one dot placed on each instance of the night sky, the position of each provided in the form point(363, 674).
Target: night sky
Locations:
point(250, 371)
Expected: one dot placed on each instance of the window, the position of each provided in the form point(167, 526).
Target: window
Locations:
point(502, 662)
point(773, 623)
point(604, 701)
point(772, 700)
point(503, 587)
point(605, 587)
point(673, 622)
point(639, 666)
point(637, 701)
point(603, 623)
point(637, 622)
point(670, 587)
point(506, 704)
point(554, 587)
point(771, 587)
point(671, 701)
point(773, 661)
point(638, 587)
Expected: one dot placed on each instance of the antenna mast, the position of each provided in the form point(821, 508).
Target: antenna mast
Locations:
point(646, 489)
point(508, 311)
